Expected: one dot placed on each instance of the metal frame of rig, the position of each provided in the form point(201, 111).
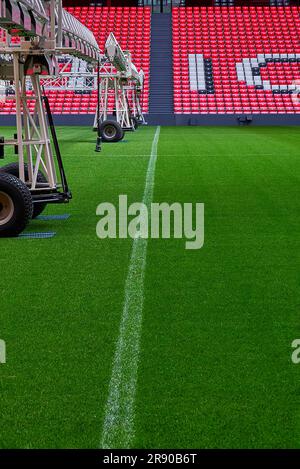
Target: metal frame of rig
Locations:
point(45, 32)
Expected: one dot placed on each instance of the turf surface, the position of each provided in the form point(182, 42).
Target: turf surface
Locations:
point(215, 367)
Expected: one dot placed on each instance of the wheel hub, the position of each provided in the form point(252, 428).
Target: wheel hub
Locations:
point(110, 131)
point(6, 208)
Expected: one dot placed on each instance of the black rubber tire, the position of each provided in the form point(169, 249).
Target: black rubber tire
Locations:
point(135, 122)
point(19, 197)
point(13, 169)
point(111, 131)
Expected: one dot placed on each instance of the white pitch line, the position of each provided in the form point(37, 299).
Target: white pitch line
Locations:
point(118, 427)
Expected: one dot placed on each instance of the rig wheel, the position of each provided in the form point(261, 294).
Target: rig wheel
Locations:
point(111, 131)
point(135, 123)
point(13, 169)
point(15, 206)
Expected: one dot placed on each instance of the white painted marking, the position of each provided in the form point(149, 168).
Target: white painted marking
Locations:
point(197, 72)
point(118, 427)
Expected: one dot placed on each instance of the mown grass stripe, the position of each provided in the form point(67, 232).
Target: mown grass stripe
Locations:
point(118, 428)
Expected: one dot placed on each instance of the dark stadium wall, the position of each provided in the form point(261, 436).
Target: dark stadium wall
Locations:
point(177, 119)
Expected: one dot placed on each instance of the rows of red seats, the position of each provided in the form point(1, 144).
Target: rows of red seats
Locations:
point(2, 35)
point(227, 36)
point(132, 27)
point(14, 39)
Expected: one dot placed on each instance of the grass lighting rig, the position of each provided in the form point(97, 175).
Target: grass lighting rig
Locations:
point(120, 80)
point(37, 32)
point(119, 87)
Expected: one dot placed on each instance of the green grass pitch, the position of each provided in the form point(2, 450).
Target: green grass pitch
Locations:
point(215, 367)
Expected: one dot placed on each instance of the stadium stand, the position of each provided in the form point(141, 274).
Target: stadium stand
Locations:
point(241, 60)
point(131, 27)
point(227, 60)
